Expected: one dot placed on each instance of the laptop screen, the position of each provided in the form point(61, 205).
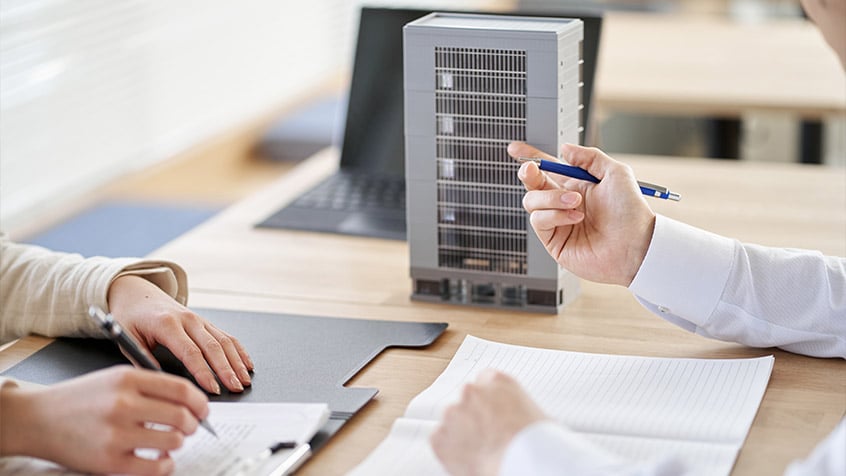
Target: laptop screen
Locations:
point(373, 134)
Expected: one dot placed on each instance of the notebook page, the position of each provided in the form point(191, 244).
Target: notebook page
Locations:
point(693, 399)
point(695, 410)
point(407, 451)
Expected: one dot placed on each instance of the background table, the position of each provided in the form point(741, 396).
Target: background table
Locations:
point(233, 265)
point(716, 66)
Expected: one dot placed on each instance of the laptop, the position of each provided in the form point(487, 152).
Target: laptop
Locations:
point(366, 196)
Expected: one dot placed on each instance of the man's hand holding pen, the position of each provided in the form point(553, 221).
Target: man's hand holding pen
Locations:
point(598, 231)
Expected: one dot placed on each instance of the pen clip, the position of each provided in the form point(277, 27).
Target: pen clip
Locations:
point(657, 188)
point(107, 323)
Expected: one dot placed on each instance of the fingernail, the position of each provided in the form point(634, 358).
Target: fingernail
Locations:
point(235, 383)
point(569, 198)
point(245, 377)
point(214, 386)
point(250, 364)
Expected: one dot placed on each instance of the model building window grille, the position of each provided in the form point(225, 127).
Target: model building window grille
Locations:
point(473, 84)
point(480, 106)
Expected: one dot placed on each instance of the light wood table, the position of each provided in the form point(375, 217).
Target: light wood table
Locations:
point(715, 66)
point(235, 266)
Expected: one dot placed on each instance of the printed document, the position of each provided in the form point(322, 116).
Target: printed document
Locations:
point(640, 408)
point(243, 429)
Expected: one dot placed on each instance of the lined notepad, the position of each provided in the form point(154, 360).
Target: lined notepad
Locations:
point(640, 408)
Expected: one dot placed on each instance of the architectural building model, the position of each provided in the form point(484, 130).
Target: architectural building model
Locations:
point(474, 83)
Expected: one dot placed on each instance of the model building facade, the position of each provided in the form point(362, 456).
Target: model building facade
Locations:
point(474, 83)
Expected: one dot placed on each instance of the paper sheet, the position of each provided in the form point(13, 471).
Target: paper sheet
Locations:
point(244, 429)
point(637, 407)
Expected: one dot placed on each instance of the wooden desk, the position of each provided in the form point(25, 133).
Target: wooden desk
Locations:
point(713, 66)
point(232, 265)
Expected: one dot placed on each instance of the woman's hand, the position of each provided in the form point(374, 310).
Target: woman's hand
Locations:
point(154, 318)
point(94, 423)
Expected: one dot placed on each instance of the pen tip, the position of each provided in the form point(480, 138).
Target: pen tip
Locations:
point(528, 159)
point(209, 428)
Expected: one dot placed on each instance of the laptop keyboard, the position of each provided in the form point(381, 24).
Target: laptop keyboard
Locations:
point(346, 191)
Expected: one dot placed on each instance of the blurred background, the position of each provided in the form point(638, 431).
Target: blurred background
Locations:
point(123, 114)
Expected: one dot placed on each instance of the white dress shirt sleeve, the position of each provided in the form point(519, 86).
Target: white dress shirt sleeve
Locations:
point(549, 449)
point(755, 295)
point(723, 289)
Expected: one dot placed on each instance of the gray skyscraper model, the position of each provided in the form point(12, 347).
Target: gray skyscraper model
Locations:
point(474, 83)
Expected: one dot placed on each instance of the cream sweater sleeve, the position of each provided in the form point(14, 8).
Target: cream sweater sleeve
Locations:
point(48, 293)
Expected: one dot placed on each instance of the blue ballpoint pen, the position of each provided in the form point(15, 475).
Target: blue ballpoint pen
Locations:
point(114, 331)
point(648, 189)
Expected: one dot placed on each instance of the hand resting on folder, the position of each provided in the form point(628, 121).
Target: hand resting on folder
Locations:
point(95, 423)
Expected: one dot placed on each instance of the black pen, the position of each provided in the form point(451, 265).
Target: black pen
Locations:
point(124, 340)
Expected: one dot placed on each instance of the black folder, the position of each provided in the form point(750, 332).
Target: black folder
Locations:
point(298, 358)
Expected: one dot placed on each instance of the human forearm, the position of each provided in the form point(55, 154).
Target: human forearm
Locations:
point(48, 293)
point(19, 425)
point(727, 290)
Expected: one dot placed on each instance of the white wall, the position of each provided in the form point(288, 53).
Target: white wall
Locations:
point(94, 89)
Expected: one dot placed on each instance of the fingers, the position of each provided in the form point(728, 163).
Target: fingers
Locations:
point(235, 353)
point(175, 416)
point(487, 375)
point(157, 438)
point(529, 173)
point(206, 351)
point(521, 149)
point(132, 464)
point(551, 199)
point(220, 352)
point(547, 221)
point(589, 158)
point(550, 209)
point(175, 390)
point(533, 178)
point(187, 351)
point(490, 376)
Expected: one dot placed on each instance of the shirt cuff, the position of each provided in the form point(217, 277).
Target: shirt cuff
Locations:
point(685, 270)
point(167, 276)
point(547, 448)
